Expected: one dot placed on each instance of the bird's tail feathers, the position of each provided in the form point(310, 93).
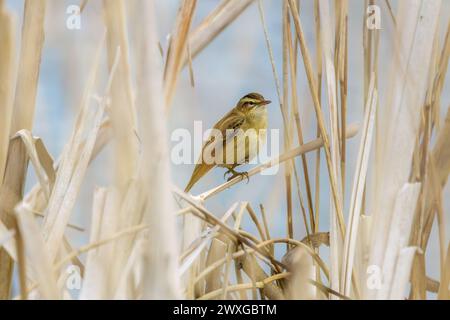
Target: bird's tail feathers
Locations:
point(199, 171)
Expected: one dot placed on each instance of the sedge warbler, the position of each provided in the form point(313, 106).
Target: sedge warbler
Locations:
point(233, 145)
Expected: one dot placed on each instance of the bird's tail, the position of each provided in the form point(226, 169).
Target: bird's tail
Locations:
point(199, 171)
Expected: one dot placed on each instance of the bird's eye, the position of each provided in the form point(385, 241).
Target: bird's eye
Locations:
point(251, 104)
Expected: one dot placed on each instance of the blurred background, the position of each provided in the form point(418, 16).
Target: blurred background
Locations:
point(235, 63)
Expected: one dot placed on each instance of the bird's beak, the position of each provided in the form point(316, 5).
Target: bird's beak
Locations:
point(263, 103)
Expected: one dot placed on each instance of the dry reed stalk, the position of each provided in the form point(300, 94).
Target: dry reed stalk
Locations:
point(319, 113)
point(177, 48)
point(211, 219)
point(296, 114)
point(341, 65)
point(285, 106)
point(391, 12)
point(437, 191)
point(122, 110)
point(37, 255)
point(418, 278)
point(444, 291)
point(91, 248)
point(22, 118)
point(21, 262)
point(35, 196)
point(441, 156)
point(122, 114)
point(250, 266)
point(336, 229)
point(132, 223)
point(349, 250)
point(319, 94)
point(284, 102)
point(74, 163)
point(159, 260)
point(7, 57)
point(433, 173)
point(402, 273)
point(191, 257)
point(407, 91)
point(245, 286)
point(94, 279)
point(225, 13)
point(398, 238)
point(268, 243)
point(302, 269)
point(285, 116)
point(216, 251)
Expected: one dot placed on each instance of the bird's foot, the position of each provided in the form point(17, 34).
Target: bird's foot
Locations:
point(228, 173)
point(238, 174)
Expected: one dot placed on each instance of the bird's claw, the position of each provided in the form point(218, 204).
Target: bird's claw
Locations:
point(240, 174)
point(226, 173)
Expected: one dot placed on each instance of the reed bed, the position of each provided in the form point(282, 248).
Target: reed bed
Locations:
point(147, 239)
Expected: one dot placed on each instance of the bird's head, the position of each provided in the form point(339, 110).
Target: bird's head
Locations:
point(252, 101)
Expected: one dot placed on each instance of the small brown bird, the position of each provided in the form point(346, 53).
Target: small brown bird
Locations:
point(249, 113)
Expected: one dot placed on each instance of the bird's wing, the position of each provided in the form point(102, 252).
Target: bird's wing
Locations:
point(228, 126)
point(231, 120)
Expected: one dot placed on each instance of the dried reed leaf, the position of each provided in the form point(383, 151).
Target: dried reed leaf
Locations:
point(441, 156)
point(399, 232)
point(22, 118)
point(30, 59)
point(402, 273)
point(337, 228)
point(302, 269)
point(358, 189)
point(249, 264)
point(197, 245)
point(40, 158)
point(416, 29)
point(216, 251)
point(74, 163)
point(5, 236)
point(160, 259)
point(95, 279)
point(37, 255)
point(122, 113)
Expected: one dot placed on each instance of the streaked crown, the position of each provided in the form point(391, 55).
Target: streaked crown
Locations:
point(252, 100)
